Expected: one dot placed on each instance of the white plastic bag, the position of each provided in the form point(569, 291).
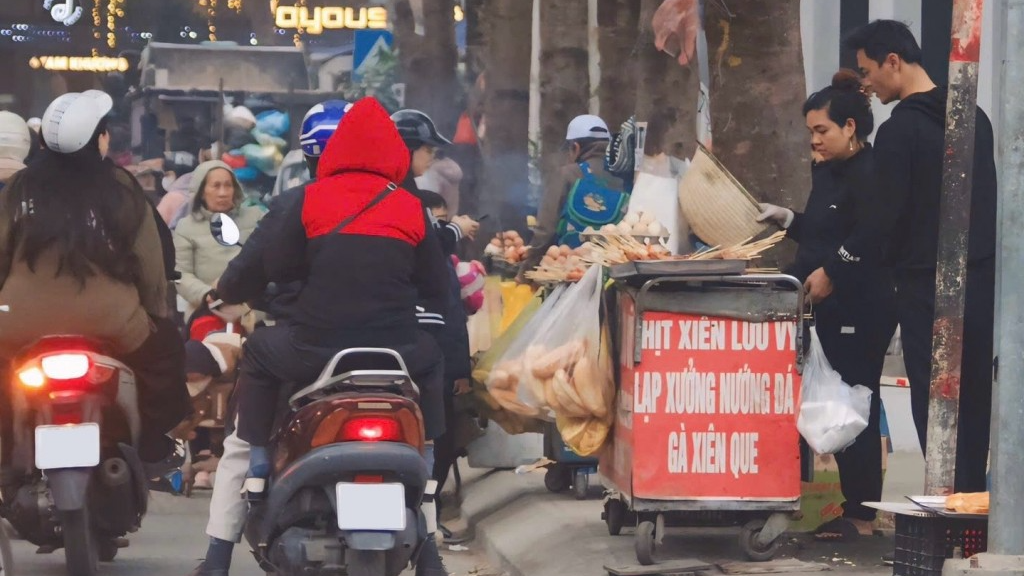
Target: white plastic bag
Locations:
point(832, 413)
point(657, 191)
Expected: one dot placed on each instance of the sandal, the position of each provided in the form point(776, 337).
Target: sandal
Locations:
point(837, 530)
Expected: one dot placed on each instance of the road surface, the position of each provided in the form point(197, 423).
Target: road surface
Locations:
point(172, 541)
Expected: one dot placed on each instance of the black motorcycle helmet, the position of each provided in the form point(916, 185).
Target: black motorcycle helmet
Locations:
point(417, 129)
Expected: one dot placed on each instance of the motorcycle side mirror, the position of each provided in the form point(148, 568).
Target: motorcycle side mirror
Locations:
point(225, 230)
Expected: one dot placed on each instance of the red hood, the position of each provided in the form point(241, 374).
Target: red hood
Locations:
point(365, 141)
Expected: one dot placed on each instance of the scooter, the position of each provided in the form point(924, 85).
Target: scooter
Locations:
point(349, 493)
point(82, 485)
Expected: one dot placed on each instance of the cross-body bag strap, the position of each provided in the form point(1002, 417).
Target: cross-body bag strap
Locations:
point(391, 187)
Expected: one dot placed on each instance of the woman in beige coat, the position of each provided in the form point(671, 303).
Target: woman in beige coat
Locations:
point(200, 258)
point(80, 253)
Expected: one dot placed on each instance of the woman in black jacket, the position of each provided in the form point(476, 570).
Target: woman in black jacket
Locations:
point(855, 313)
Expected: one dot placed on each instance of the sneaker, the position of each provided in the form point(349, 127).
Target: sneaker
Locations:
point(169, 464)
point(889, 559)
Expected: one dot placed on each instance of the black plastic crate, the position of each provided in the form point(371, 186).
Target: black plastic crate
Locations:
point(924, 544)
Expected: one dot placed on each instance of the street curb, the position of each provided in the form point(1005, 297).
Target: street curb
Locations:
point(475, 511)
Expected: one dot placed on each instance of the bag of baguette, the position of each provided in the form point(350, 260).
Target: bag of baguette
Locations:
point(566, 368)
point(503, 370)
point(586, 436)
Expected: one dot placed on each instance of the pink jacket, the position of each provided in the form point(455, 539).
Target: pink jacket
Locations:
point(176, 197)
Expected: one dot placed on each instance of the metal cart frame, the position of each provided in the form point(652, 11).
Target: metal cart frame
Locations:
point(763, 522)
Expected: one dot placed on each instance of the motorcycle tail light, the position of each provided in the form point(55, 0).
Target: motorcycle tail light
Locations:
point(374, 429)
point(383, 422)
point(65, 366)
point(65, 370)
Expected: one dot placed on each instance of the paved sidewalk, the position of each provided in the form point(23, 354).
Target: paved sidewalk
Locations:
point(528, 531)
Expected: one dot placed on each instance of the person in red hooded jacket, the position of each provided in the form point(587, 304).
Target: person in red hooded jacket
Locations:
point(365, 253)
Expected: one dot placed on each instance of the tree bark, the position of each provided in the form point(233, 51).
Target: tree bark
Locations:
point(617, 22)
point(757, 90)
point(666, 93)
point(507, 111)
point(564, 76)
point(429, 61)
point(476, 36)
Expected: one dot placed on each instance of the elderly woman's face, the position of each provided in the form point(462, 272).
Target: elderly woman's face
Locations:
point(219, 191)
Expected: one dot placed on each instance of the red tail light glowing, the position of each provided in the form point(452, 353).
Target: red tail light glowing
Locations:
point(375, 429)
point(364, 418)
point(65, 366)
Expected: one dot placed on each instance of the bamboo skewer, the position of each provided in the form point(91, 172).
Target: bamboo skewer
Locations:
point(611, 249)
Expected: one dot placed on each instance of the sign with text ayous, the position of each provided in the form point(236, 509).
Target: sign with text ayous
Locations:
point(710, 411)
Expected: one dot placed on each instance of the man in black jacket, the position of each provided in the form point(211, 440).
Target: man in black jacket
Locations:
point(271, 252)
point(909, 151)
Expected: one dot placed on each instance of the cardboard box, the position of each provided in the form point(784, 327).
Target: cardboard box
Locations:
point(822, 499)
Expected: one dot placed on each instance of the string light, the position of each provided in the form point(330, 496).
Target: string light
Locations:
point(299, 31)
point(96, 21)
point(115, 10)
point(211, 17)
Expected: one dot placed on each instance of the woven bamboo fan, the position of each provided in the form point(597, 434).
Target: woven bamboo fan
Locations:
point(719, 209)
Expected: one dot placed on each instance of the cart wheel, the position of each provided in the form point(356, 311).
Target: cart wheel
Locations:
point(752, 548)
point(645, 543)
point(614, 516)
point(557, 480)
point(581, 484)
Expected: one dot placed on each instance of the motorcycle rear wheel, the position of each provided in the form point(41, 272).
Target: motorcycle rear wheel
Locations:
point(80, 550)
point(365, 562)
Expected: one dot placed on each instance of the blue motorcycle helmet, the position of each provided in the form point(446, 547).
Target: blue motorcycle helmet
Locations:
point(318, 126)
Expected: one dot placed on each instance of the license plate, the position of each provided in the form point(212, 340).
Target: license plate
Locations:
point(69, 446)
point(371, 507)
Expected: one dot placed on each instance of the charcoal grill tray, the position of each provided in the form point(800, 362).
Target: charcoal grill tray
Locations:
point(652, 268)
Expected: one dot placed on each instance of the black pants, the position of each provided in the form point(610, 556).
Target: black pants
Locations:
point(855, 338)
point(273, 356)
point(446, 453)
point(916, 299)
point(159, 366)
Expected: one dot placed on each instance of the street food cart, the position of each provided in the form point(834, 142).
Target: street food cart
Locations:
point(708, 396)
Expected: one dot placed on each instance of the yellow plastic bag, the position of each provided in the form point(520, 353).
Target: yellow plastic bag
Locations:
point(514, 298)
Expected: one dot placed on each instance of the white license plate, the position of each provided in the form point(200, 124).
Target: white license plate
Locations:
point(371, 507)
point(68, 446)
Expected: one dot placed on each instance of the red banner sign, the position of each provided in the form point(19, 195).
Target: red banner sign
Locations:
point(710, 411)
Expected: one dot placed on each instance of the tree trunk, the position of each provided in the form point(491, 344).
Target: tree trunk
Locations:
point(507, 111)
point(757, 90)
point(429, 61)
point(476, 37)
point(666, 94)
point(617, 22)
point(564, 76)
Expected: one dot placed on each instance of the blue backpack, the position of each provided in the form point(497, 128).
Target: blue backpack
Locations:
point(592, 202)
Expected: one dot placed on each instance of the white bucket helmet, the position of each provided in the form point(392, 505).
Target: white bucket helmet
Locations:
point(71, 120)
point(15, 141)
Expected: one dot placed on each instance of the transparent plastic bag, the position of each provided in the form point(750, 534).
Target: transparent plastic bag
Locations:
point(506, 373)
point(562, 373)
point(832, 413)
point(586, 436)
